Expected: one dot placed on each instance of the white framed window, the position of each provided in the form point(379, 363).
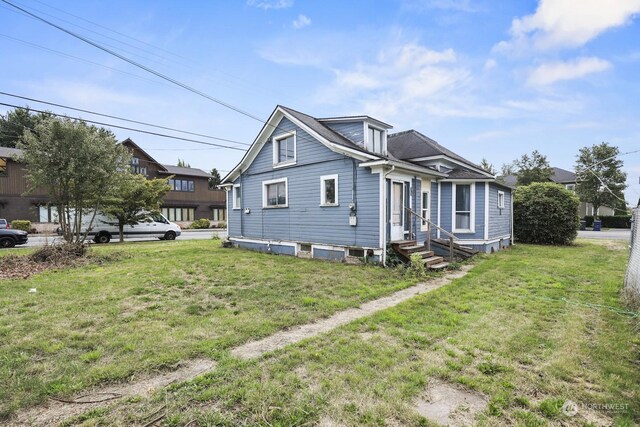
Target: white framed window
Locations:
point(329, 190)
point(237, 197)
point(284, 149)
point(571, 187)
point(463, 207)
point(375, 140)
point(500, 199)
point(275, 193)
point(425, 203)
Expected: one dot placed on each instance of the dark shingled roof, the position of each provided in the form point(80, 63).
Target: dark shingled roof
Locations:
point(412, 144)
point(465, 174)
point(321, 129)
point(563, 176)
point(177, 170)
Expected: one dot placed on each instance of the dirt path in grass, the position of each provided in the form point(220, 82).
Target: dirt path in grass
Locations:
point(56, 411)
point(299, 333)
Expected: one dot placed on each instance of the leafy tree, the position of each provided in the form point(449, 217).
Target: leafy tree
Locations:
point(14, 124)
point(215, 179)
point(507, 169)
point(183, 164)
point(484, 164)
point(134, 197)
point(77, 164)
point(545, 213)
point(534, 168)
point(601, 181)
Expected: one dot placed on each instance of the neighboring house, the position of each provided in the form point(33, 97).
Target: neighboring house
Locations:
point(342, 186)
point(569, 180)
point(189, 199)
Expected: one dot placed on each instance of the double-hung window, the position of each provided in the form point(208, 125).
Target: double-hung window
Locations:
point(375, 140)
point(237, 196)
point(500, 199)
point(329, 190)
point(463, 207)
point(424, 212)
point(284, 149)
point(274, 193)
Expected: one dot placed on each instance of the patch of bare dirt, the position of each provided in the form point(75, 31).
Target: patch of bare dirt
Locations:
point(299, 333)
point(452, 406)
point(58, 410)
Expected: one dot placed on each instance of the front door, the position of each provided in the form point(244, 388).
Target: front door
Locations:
point(397, 210)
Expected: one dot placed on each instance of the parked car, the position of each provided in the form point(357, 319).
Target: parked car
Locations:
point(9, 238)
point(4, 224)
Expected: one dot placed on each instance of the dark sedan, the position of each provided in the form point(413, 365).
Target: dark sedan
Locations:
point(9, 238)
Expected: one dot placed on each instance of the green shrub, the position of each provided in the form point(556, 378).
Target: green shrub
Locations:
point(21, 224)
point(221, 224)
point(545, 213)
point(201, 223)
point(417, 268)
point(617, 221)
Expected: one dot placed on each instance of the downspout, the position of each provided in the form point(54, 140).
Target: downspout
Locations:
point(511, 216)
point(384, 229)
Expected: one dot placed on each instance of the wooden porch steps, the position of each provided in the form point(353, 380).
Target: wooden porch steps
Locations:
point(406, 248)
point(459, 251)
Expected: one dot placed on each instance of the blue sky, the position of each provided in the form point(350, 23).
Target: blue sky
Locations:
point(492, 79)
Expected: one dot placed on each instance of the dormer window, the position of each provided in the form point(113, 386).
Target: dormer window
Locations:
point(376, 140)
point(284, 149)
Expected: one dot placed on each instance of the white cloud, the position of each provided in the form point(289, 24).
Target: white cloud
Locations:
point(490, 64)
point(547, 74)
point(301, 21)
point(568, 23)
point(270, 4)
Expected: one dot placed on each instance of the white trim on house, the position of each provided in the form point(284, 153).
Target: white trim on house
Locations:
point(350, 119)
point(383, 223)
point(482, 241)
point(275, 141)
point(265, 204)
point(425, 188)
point(401, 166)
point(235, 197)
point(500, 202)
point(486, 210)
point(383, 138)
point(439, 208)
point(472, 212)
point(323, 193)
point(457, 162)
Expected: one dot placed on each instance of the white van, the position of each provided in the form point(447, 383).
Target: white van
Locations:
point(104, 228)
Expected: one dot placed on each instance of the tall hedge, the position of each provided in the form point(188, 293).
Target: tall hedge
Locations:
point(545, 213)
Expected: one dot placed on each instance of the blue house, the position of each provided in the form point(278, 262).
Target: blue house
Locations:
point(343, 187)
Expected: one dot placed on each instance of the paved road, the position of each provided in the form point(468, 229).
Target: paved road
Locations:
point(616, 234)
point(36, 241)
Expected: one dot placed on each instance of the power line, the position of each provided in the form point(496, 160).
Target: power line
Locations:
point(123, 119)
point(162, 135)
point(137, 64)
point(77, 58)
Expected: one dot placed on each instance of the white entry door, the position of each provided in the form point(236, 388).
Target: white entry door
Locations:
point(397, 210)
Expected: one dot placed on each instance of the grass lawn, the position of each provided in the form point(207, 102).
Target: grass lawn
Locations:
point(526, 327)
point(160, 303)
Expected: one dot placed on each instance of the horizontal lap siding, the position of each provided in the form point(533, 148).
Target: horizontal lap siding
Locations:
point(305, 220)
point(499, 219)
